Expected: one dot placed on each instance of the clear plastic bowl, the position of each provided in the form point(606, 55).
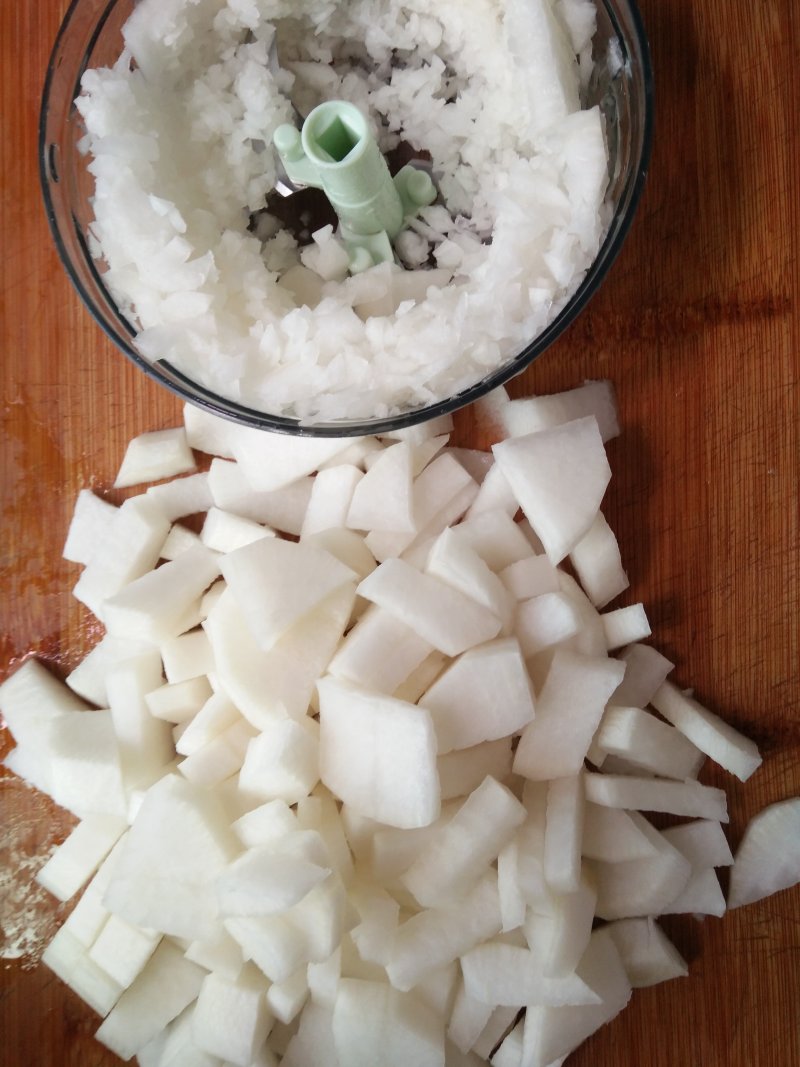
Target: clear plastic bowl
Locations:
point(90, 36)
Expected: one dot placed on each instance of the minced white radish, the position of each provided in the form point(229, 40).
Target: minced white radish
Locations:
point(179, 134)
point(334, 807)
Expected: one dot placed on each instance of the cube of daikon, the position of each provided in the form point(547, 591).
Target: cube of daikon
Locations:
point(183, 830)
point(267, 686)
point(231, 1019)
point(373, 1023)
point(330, 499)
point(545, 621)
point(625, 625)
point(497, 539)
point(129, 548)
point(168, 983)
point(189, 495)
point(281, 762)
point(559, 477)
point(158, 605)
point(702, 842)
point(612, 835)
point(283, 509)
point(379, 652)
point(154, 455)
point(122, 949)
point(437, 936)
point(90, 520)
point(560, 938)
point(270, 879)
point(532, 413)
point(224, 531)
point(265, 823)
point(550, 1033)
point(647, 954)
point(721, 742)
point(530, 577)
point(463, 770)
point(440, 614)
point(177, 702)
point(68, 958)
point(456, 563)
point(687, 798)
point(276, 582)
point(643, 886)
point(76, 860)
point(85, 769)
point(564, 834)
point(285, 999)
point(646, 742)
point(597, 562)
point(483, 696)
point(701, 895)
point(568, 710)
point(460, 852)
point(497, 973)
point(645, 671)
point(383, 499)
point(378, 754)
point(270, 461)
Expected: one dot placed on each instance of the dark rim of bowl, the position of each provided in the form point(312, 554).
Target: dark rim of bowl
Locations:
point(193, 392)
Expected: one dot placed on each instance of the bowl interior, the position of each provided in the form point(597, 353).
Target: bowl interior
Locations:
point(90, 36)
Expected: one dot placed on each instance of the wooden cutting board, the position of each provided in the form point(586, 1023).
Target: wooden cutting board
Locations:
point(697, 326)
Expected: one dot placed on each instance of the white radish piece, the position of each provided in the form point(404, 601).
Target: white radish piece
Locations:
point(597, 562)
point(223, 531)
point(559, 939)
point(702, 842)
point(768, 857)
point(270, 461)
point(231, 1019)
point(461, 851)
point(383, 499)
point(379, 652)
point(378, 754)
point(483, 695)
point(646, 742)
point(283, 509)
point(154, 455)
point(568, 711)
point(270, 879)
point(687, 798)
point(330, 499)
point(441, 615)
point(531, 413)
point(559, 477)
point(463, 770)
point(495, 973)
point(564, 834)
point(456, 563)
point(373, 1023)
point(625, 625)
point(78, 857)
point(645, 671)
point(67, 957)
point(545, 621)
point(282, 761)
point(277, 582)
point(89, 524)
point(720, 741)
point(647, 954)
point(122, 949)
point(611, 835)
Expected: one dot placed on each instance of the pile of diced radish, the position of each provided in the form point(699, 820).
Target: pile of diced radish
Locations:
point(360, 767)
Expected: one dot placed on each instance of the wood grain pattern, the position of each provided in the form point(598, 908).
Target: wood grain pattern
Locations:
point(698, 327)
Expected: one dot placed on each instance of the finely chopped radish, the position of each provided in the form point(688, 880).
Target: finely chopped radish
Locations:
point(179, 133)
point(310, 832)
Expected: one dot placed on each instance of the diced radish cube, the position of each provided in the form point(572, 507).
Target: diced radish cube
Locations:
point(458, 855)
point(231, 1019)
point(76, 860)
point(155, 606)
point(625, 625)
point(532, 413)
point(647, 954)
point(276, 582)
point(154, 455)
point(462, 771)
point(128, 549)
point(687, 798)
point(467, 1019)
point(177, 702)
point(702, 842)
point(644, 886)
point(560, 938)
point(496, 973)
point(68, 958)
point(484, 695)
point(701, 896)
point(554, 1032)
point(497, 539)
point(530, 577)
point(544, 621)
point(165, 987)
point(223, 531)
point(86, 774)
point(285, 999)
point(313, 1043)
point(378, 754)
point(373, 1023)
point(219, 954)
point(206, 432)
point(164, 875)
point(597, 561)
point(708, 732)
point(646, 742)
point(379, 652)
point(768, 859)
point(270, 461)
point(187, 656)
point(437, 936)
point(645, 671)
point(270, 879)
point(559, 477)
point(283, 509)
point(267, 686)
point(281, 762)
point(182, 496)
point(90, 521)
point(564, 834)
point(611, 835)
point(122, 949)
point(568, 711)
point(383, 499)
point(441, 615)
point(330, 499)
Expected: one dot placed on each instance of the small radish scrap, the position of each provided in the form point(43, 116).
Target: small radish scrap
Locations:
point(361, 774)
